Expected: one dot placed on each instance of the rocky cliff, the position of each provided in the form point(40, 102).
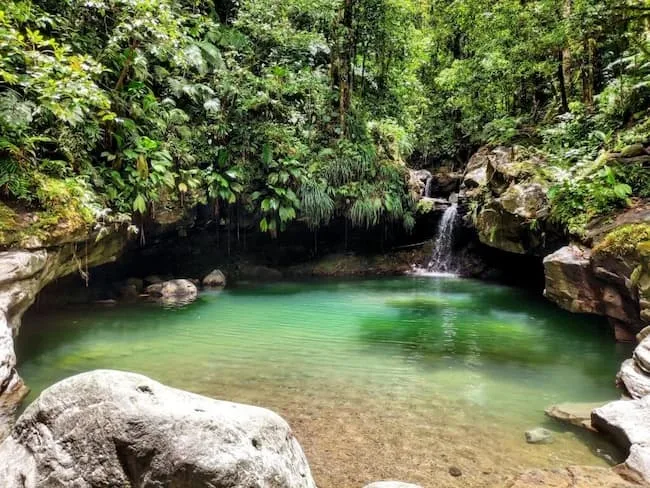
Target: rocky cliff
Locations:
point(603, 271)
point(24, 272)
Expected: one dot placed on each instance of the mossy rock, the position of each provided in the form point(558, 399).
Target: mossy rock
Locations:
point(633, 150)
point(41, 228)
point(425, 206)
point(626, 241)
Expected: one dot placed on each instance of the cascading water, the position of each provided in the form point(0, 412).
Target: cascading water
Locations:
point(442, 259)
point(428, 187)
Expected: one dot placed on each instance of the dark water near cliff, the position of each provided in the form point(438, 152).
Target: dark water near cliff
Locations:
point(380, 378)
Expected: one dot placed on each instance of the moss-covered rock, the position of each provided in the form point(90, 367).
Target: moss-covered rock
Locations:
point(624, 241)
point(508, 188)
point(633, 150)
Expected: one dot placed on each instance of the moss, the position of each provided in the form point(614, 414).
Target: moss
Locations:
point(424, 206)
point(64, 216)
point(624, 240)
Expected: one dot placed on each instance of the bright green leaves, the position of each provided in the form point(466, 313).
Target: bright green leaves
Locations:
point(278, 202)
point(51, 107)
point(139, 204)
point(576, 201)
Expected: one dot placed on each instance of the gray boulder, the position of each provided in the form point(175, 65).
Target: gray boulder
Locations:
point(627, 422)
point(109, 428)
point(215, 279)
point(634, 379)
point(642, 352)
point(173, 289)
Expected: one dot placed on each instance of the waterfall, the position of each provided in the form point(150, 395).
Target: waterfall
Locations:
point(427, 187)
point(442, 259)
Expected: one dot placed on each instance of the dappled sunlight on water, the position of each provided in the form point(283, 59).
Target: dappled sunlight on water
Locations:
point(391, 378)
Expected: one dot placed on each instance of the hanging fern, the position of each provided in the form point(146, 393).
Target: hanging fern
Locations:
point(317, 206)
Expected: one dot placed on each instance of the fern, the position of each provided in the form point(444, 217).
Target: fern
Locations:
point(317, 206)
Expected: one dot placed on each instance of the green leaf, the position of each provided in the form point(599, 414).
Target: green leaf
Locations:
point(139, 204)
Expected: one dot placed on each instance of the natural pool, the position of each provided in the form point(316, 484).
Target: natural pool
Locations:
point(392, 378)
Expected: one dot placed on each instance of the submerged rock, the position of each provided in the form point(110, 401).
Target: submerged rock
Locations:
point(578, 414)
point(110, 428)
point(628, 423)
point(539, 436)
point(215, 279)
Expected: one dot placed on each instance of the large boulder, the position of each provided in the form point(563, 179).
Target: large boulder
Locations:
point(642, 352)
point(635, 381)
point(418, 181)
point(512, 222)
point(214, 279)
point(172, 289)
point(570, 281)
point(508, 190)
point(628, 424)
point(443, 183)
point(109, 428)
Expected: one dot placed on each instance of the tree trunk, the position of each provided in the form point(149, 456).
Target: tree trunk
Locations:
point(565, 59)
point(562, 82)
point(589, 48)
point(344, 71)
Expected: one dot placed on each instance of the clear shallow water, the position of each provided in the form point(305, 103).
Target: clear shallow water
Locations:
point(380, 379)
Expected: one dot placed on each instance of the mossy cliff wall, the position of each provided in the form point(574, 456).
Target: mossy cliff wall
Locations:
point(603, 269)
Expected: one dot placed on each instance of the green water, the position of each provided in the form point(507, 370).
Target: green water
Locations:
point(409, 358)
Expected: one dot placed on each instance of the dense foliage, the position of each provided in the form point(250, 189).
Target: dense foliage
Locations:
point(310, 110)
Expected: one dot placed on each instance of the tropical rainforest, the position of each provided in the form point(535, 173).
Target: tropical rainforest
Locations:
point(311, 110)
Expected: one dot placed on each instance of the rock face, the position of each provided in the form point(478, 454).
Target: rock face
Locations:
point(22, 275)
point(510, 197)
point(634, 380)
point(578, 282)
point(215, 279)
point(257, 272)
point(109, 428)
point(418, 181)
point(628, 423)
point(570, 281)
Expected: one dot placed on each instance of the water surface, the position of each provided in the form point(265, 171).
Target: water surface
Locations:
point(391, 378)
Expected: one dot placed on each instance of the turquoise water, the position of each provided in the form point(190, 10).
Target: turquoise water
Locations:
point(395, 360)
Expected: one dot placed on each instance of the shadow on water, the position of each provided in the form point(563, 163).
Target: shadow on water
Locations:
point(40, 334)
